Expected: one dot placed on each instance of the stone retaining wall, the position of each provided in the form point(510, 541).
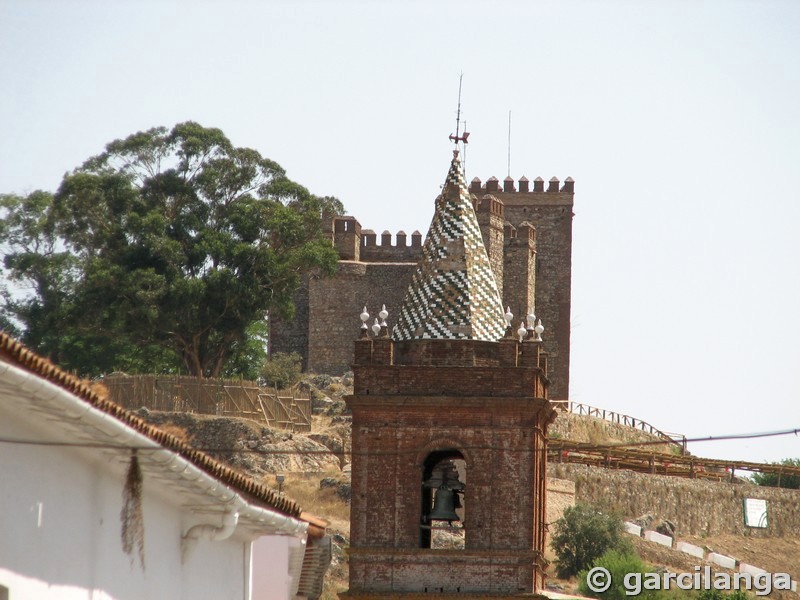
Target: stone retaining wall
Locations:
point(697, 507)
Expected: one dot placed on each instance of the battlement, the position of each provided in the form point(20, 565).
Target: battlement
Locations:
point(492, 185)
point(525, 234)
point(354, 243)
point(488, 204)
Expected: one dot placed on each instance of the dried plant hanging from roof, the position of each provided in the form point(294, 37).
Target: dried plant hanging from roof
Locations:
point(132, 515)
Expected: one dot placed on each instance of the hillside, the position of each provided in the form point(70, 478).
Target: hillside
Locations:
point(317, 474)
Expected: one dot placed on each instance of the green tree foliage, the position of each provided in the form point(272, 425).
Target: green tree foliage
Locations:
point(785, 481)
point(282, 370)
point(619, 565)
point(582, 536)
point(713, 594)
point(161, 253)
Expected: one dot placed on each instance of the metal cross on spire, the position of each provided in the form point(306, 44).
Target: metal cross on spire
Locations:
point(459, 138)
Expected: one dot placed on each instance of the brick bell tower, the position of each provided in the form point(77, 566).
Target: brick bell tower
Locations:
point(450, 418)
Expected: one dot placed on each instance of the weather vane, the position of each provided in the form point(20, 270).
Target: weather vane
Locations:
point(459, 138)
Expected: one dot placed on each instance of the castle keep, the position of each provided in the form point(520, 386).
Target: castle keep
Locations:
point(450, 418)
point(527, 232)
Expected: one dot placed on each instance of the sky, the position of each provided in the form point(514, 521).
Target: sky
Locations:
point(679, 121)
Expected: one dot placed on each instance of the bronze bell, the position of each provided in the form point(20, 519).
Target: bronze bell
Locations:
point(443, 506)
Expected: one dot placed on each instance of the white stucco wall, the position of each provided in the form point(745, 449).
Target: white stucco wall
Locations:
point(61, 532)
point(271, 556)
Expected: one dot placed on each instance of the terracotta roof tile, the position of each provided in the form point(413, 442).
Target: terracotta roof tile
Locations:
point(14, 352)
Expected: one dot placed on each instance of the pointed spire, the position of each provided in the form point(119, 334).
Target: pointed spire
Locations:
point(453, 293)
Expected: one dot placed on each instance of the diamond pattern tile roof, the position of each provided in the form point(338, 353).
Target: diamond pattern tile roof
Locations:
point(453, 294)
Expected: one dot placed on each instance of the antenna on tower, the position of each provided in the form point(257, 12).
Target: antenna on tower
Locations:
point(459, 138)
point(509, 144)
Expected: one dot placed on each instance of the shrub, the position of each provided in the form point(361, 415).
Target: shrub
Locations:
point(582, 536)
point(720, 595)
point(786, 481)
point(282, 370)
point(619, 565)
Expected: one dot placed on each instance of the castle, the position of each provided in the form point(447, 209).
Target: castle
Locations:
point(528, 238)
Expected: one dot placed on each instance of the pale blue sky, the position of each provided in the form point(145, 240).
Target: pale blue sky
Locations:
point(678, 120)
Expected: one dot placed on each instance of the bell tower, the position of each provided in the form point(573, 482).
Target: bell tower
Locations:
point(450, 418)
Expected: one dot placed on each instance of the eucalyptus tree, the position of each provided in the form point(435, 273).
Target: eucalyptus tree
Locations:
point(169, 248)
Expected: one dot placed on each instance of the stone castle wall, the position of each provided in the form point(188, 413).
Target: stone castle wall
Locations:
point(696, 506)
point(335, 303)
point(528, 235)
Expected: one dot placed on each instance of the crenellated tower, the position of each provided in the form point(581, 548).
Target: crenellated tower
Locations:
point(526, 229)
point(450, 418)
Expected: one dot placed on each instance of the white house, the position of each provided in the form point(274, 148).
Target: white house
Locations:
point(96, 503)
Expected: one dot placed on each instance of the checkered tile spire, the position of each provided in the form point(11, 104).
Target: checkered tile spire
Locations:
point(453, 294)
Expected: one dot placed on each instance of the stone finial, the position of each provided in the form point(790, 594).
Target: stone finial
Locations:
point(523, 185)
point(475, 185)
point(539, 329)
point(416, 239)
point(386, 238)
point(522, 332)
point(569, 185)
point(508, 184)
point(401, 239)
point(553, 186)
point(376, 327)
point(538, 184)
point(492, 185)
point(364, 316)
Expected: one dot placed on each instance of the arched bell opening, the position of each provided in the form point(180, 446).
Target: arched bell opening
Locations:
point(443, 509)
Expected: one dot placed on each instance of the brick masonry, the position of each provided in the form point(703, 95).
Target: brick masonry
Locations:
point(530, 262)
point(487, 402)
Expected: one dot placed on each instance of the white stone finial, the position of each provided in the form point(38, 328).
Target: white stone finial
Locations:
point(364, 318)
point(383, 314)
point(376, 327)
point(509, 315)
point(522, 331)
point(539, 329)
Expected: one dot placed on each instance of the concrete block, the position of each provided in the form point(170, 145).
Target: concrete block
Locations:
point(690, 549)
point(658, 538)
point(721, 560)
point(745, 568)
point(632, 528)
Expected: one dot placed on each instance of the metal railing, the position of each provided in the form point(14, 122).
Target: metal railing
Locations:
point(578, 408)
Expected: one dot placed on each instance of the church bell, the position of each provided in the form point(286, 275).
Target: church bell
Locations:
point(444, 506)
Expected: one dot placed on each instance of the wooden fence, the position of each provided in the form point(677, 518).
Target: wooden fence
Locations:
point(224, 397)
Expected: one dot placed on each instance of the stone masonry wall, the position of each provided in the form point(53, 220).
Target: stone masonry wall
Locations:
point(336, 302)
point(291, 335)
point(697, 507)
point(551, 215)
